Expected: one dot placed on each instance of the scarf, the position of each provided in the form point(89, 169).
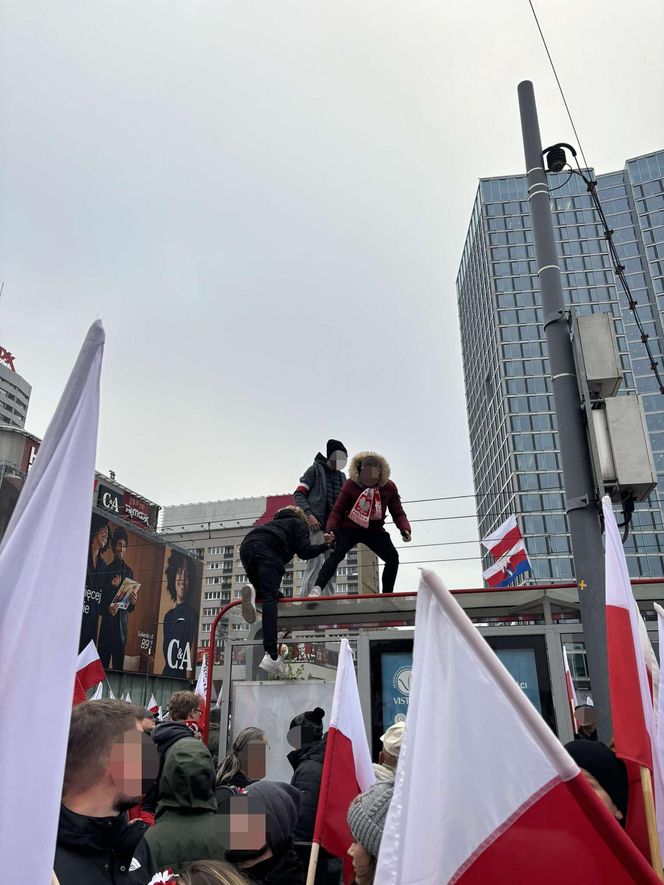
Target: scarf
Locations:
point(367, 507)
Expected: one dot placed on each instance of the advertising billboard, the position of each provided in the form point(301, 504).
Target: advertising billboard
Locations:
point(141, 601)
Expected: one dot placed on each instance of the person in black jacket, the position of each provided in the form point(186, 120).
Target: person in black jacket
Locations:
point(306, 736)
point(277, 862)
point(114, 620)
point(180, 622)
point(265, 552)
point(95, 843)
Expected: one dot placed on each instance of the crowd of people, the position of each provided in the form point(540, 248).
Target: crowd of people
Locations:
point(145, 802)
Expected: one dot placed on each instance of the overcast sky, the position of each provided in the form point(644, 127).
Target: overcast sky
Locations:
point(266, 204)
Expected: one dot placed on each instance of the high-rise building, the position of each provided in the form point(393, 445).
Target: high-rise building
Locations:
point(214, 530)
point(14, 392)
point(514, 444)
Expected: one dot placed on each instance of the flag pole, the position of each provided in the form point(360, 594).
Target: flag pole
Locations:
point(313, 863)
point(649, 806)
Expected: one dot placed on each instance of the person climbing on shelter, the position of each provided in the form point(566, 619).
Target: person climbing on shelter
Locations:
point(358, 517)
point(264, 553)
point(316, 494)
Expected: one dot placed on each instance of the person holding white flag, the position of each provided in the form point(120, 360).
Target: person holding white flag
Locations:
point(60, 481)
point(515, 808)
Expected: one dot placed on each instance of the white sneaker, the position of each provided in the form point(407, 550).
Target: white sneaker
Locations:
point(271, 666)
point(248, 603)
point(316, 591)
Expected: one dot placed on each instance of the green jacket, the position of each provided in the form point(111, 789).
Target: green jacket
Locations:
point(187, 827)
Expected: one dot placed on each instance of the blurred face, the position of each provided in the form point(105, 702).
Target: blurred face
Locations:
point(133, 766)
point(338, 460)
point(362, 863)
point(253, 759)
point(101, 538)
point(247, 829)
point(369, 474)
point(181, 584)
point(119, 549)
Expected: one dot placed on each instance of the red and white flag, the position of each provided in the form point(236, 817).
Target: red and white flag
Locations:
point(99, 692)
point(347, 769)
point(153, 706)
point(571, 691)
point(630, 687)
point(89, 668)
point(508, 549)
point(127, 697)
point(490, 805)
point(43, 559)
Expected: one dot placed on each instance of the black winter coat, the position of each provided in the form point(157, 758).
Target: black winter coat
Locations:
point(102, 851)
point(282, 869)
point(308, 765)
point(285, 536)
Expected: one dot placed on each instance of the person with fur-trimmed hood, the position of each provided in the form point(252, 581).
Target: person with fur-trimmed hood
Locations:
point(265, 552)
point(358, 517)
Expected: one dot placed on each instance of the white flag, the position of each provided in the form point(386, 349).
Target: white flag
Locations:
point(43, 559)
point(127, 697)
point(201, 683)
point(111, 696)
point(99, 694)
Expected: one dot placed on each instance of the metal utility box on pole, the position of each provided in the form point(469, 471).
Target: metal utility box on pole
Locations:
point(580, 496)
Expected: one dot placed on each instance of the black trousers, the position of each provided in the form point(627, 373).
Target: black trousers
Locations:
point(112, 652)
point(265, 571)
point(377, 540)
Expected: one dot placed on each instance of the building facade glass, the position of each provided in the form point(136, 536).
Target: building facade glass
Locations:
point(512, 424)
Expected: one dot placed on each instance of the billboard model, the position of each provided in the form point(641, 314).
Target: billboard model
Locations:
point(141, 601)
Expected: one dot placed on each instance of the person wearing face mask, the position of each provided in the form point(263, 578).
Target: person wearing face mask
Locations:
point(316, 494)
point(358, 517)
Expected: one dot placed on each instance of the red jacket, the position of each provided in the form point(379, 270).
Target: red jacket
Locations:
point(350, 492)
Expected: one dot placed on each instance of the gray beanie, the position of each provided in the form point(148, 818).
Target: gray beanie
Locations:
point(367, 813)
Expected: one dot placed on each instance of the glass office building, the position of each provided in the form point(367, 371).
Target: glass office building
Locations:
point(515, 456)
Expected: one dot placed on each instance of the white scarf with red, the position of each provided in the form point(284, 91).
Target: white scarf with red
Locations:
point(367, 507)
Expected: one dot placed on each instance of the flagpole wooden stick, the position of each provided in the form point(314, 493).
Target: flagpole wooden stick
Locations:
point(649, 806)
point(313, 863)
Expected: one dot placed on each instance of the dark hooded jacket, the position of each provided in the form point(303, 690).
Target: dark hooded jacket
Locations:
point(308, 770)
point(186, 825)
point(281, 805)
point(353, 488)
point(286, 535)
point(164, 735)
point(102, 851)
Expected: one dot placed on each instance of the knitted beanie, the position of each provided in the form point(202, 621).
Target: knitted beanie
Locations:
point(366, 816)
point(310, 724)
point(334, 445)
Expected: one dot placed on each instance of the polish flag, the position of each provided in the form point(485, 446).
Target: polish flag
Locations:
point(631, 694)
point(472, 807)
point(347, 769)
point(514, 563)
point(79, 692)
point(504, 538)
point(160, 714)
point(89, 668)
point(571, 691)
point(153, 706)
point(99, 692)
point(43, 559)
point(127, 698)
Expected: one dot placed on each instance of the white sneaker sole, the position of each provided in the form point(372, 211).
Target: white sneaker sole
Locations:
point(249, 604)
